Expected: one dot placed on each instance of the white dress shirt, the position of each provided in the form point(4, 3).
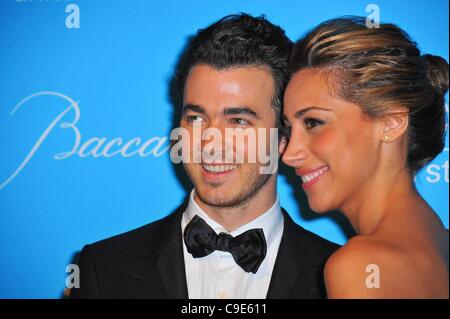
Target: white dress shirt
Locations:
point(217, 275)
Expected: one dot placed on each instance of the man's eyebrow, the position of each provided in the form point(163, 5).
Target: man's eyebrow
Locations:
point(299, 114)
point(240, 110)
point(193, 108)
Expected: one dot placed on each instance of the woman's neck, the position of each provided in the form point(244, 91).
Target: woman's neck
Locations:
point(382, 195)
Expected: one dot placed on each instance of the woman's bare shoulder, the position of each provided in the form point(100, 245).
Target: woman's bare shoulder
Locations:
point(368, 267)
point(347, 270)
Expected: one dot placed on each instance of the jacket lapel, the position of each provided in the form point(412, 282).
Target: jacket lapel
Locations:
point(157, 270)
point(171, 268)
point(292, 255)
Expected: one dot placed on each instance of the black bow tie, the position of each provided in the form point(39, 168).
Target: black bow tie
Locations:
point(248, 249)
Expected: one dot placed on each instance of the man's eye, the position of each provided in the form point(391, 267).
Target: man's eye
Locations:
point(285, 131)
point(239, 121)
point(311, 123)
point(194, 118)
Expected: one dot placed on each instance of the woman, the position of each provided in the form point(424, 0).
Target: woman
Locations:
point(365, 111)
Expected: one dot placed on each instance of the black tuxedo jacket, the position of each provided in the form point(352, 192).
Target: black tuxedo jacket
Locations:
point(148, 262)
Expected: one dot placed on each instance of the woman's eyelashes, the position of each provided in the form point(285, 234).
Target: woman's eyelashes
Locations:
point(311, 122)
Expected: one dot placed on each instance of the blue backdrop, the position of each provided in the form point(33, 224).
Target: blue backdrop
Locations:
point(85, 114)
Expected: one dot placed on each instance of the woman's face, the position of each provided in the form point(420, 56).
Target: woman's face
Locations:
point(333, 146)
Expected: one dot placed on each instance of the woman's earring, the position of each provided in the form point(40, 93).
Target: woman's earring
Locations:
point(387, 138)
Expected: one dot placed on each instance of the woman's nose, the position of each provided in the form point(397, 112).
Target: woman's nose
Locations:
point(296, 151)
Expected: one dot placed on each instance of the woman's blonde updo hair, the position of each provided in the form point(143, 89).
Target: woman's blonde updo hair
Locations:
point(382, 70)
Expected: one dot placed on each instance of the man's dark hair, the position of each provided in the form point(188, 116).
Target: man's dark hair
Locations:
point(240, 40)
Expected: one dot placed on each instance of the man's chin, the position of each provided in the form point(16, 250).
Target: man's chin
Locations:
point(216, 198)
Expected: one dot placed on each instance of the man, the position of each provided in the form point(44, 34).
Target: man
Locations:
point(231, 239)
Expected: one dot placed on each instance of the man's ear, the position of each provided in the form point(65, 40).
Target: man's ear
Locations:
point(393, 126)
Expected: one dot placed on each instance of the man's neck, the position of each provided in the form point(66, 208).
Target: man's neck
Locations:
point(232, 218)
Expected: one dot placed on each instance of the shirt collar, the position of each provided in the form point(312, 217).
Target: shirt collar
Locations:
point(270, 221)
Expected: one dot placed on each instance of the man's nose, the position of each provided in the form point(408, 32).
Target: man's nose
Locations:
point(213, 141)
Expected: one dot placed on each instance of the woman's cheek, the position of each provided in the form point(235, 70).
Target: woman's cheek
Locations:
point(326, 145)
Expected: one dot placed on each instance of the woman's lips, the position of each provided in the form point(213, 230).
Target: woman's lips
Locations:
point(311, 176)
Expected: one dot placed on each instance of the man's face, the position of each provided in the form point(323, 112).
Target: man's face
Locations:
point(235, 98)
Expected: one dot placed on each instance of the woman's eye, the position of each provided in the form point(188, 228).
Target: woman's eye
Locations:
point(311, 123)
point(239, 121)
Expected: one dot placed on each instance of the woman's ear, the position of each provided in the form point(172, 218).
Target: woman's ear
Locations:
point(393, 126)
